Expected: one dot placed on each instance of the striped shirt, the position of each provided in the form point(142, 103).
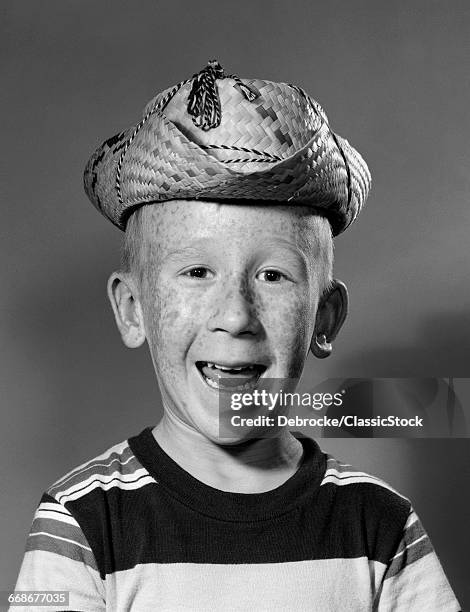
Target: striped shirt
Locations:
point(132, 530)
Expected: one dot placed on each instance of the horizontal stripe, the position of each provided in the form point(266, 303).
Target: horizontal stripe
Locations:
point(410, 554)
point(59, 529)
point(421, 586)
point(414, 544)
point(56, 516)
point(332, 462)
point(347, 478)
point(351, 474)
point(326, 586)
point(408, 546)
point(56, 537)
point(412, 518)
point(344, 473)
point(119, 451)
point(125, 467)
point(136, 480)
point(148, 525)
point(411, 534)
point(54, 507)
point(62, 547)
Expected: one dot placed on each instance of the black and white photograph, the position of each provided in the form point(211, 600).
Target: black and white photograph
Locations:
point(269, 203)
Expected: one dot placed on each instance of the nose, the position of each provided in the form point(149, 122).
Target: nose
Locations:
point(234, 310)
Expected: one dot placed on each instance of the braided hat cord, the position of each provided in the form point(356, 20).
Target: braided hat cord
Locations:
point(158, 107)
point(203, 105)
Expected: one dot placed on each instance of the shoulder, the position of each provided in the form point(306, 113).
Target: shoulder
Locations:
point(64, 535)
point(117, 467)
point(368, 514)
point(347, 482)
point(81, 512)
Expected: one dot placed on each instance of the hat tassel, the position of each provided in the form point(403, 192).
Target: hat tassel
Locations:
point(204, 101)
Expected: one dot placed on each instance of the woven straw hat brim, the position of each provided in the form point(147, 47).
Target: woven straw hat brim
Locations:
point(163, 164)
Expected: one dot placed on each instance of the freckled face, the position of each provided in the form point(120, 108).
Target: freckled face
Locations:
point(230, 285)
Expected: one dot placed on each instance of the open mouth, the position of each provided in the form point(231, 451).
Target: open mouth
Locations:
point(239, 377)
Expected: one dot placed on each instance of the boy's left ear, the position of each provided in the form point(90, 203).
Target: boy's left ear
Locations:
point(125, 302)
point(331, 314)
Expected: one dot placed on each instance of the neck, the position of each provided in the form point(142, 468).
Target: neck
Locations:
point(254, 466)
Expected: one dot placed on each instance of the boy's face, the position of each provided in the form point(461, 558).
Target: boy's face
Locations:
point(230, 285)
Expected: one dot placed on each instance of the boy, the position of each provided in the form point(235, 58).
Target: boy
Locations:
point(227, 274)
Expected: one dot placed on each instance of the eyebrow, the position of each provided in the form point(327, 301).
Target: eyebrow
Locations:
point(302, 249)
point(298, 247)
point(188, 250)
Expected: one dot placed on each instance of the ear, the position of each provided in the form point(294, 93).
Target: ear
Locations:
point(127, 309)
point(331, 314)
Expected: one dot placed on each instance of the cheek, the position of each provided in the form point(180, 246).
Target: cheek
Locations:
point(171, 322)
point(289, 322)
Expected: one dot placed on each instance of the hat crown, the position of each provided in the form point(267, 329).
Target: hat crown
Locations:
point(218, 110)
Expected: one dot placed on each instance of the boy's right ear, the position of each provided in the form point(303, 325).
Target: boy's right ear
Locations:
point(127, 309)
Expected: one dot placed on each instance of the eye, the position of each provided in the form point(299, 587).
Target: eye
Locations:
point(271, 276)
point(198, 272)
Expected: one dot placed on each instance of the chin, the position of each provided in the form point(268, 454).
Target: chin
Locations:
point(229, 437)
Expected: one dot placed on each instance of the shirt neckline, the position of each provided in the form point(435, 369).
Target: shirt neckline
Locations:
point(227, 505)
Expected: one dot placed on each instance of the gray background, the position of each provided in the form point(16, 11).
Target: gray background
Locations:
point(393, 78)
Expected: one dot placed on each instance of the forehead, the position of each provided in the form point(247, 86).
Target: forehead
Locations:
point(182, 222)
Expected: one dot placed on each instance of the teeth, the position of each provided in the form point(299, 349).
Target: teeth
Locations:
point(227, 368)
point(211, 382)
point(214, 384)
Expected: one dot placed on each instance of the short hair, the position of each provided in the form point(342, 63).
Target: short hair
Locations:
point(132, 243)
point(134, 259)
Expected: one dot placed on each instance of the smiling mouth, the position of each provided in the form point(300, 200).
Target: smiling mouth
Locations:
point(230, 377)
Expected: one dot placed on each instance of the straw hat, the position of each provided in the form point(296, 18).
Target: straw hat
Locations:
point(218, 137)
